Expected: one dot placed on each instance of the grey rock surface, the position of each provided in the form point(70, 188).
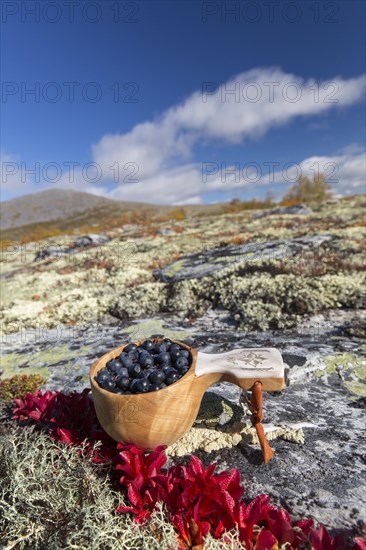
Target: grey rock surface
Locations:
point(210, 262)
point(83, 242)
point(295, 210)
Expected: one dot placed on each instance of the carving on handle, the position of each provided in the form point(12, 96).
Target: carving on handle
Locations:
point(251, 360)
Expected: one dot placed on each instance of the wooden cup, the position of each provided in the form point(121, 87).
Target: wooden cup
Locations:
point(162, 417)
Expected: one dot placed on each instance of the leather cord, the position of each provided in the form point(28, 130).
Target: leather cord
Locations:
point(255, 406)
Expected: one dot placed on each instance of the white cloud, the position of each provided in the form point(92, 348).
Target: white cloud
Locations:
point(167, 187)
point(249, 104)
point(351, 149)
point(158, 153)
point(345, 173)
point(228, 114)
point(185, 185)
point(13, 177)
point(160, 149)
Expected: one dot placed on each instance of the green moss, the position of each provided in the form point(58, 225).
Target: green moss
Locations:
point(41, 362)
point(8, 363)
point(215, 409)
point(49, 356)
point(358, 388)
point(172, 270)
point(360, 372)
point(145, 329)
point(342, 361)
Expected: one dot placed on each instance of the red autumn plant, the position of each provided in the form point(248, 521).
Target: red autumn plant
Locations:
point(198, 501)
point(139, 473)
point(193, 495)
point(70, 419)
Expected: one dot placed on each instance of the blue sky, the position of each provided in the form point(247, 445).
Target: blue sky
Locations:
point(152, 99)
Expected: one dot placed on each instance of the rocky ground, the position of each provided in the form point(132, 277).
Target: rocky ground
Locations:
point(292, 281)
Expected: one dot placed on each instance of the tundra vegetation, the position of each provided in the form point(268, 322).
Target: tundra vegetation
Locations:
point(57, 491)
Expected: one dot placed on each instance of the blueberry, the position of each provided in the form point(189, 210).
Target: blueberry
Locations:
point(160, 347)
point(181, 362)
point(114, 365)
point(122, 372)
point(134, 370)
point(165, 366)
point(108, 385)
point(155, 387)
point(183, 371)
point(130, 347)
point(184, 353)
point(157, 377)
point(143, 385)
point(102, 375)
point(163, 357)
point(170, 370)
point(134, 386)
point(174, 347)
point(146, 361)
point(127, 361)
point(171, 378)
point(167, 342)
point(134, 355)
point(122, 382)
point(122, 355)
point(174, 354)
point(148, 345)
point(145, 373)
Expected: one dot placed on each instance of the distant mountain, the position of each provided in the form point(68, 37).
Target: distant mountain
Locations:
point(64, 212)
point(54, 204)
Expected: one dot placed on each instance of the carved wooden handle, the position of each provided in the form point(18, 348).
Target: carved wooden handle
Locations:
point(244, 367)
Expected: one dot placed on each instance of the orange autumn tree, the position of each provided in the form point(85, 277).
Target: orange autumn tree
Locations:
point(308, 191)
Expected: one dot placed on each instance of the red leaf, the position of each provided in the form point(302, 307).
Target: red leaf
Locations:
point(321, 539)
point(180, 522)
point(305, 525)
point(220, 529)
point(66, 436)
point(196, 465)
point(279, 523)
point(265, 541)
point(134, 495)
point(126, 509)
point(359, 543)
point(254, 510)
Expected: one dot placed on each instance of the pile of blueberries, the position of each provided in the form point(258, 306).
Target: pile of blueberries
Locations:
point(149, 367)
